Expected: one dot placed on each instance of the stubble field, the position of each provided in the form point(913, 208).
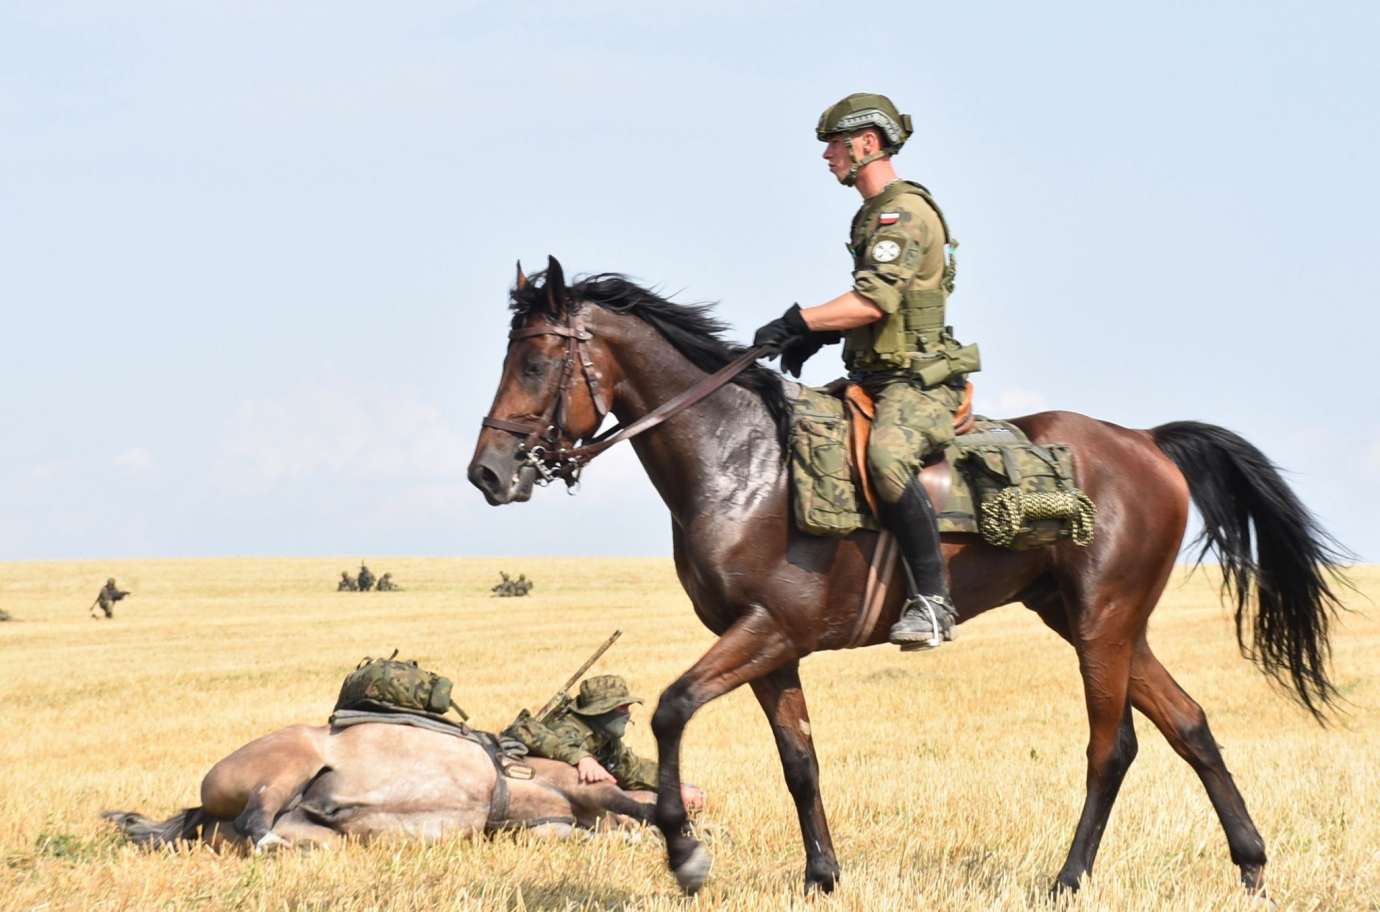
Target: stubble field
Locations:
point(953, 780)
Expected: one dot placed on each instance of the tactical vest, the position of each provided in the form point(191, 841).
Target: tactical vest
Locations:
point(914, 339)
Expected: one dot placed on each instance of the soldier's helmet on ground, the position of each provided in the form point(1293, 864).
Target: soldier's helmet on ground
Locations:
point(860, 111)
point(602, 693)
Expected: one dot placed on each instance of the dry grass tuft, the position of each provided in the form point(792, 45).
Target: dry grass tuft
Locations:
point(953, 780)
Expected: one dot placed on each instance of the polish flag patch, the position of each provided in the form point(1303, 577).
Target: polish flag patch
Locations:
point(888, 218)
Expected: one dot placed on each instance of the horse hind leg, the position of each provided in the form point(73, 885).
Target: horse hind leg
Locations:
point(261, 780)
point(1112, 746)
point(297, 830)
point(1105, 665)
point(1184, 725)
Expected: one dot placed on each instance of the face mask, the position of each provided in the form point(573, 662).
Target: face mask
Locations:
point(612, 723)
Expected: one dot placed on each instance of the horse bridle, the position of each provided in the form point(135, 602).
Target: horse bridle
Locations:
point(541, 447)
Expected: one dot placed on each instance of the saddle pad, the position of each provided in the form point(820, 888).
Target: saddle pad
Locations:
point(506, 752)
point(344, 718)
point(827, 499)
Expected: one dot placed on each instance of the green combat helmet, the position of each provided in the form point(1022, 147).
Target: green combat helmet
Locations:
point(602, 693)
point(858, 112)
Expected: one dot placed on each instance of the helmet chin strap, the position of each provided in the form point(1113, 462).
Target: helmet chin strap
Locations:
point(851, 178)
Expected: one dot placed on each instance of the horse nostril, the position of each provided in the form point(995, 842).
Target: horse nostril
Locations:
point(487, 479)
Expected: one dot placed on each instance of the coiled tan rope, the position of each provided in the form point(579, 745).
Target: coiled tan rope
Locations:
point(1006, 515)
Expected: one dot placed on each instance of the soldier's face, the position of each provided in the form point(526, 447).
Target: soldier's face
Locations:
point(836, 154)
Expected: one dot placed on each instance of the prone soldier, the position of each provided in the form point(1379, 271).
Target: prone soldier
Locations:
point(588, 733)
point(386, 584)
point(510, 588)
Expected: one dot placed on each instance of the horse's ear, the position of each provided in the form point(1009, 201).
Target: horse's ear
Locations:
point(521, 281)
point(557, 296)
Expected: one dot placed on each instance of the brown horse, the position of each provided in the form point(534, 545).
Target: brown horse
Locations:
point(311, 784)
point(774, 595)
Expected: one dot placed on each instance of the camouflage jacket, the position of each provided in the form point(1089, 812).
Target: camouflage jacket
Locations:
point(109, 595)
point(570, 739)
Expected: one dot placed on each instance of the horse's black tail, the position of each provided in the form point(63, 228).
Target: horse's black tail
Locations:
point(1294, 565)
point(149, 833)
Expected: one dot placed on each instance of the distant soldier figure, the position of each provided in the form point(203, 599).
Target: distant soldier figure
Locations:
point(588, 734)
point(347, 583)
point(512, 588)
point(5, 615)
point(366, 578)
point(386, 584)
point(106, 599)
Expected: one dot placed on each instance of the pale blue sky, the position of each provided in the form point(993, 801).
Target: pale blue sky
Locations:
point(255, 255)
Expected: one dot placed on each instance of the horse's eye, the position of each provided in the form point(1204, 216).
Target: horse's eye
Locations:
point(534, 368)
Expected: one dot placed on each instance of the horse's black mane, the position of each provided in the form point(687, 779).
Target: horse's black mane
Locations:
point(692, 328)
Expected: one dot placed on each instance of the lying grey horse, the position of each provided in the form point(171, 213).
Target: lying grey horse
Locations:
point(313, 784)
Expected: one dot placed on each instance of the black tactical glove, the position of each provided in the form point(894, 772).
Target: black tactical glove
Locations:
point(781, 332)
point(795, 354)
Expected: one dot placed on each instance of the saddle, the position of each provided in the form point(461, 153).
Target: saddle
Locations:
point(990, 480)
point(935, 476)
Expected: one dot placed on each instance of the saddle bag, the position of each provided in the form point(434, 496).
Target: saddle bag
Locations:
point(390, 685)
point(826, 500)
point(1026, 496)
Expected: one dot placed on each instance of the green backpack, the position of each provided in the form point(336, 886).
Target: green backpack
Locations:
point(388, 685)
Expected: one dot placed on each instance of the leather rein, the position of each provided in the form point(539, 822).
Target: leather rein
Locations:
point(541, 447)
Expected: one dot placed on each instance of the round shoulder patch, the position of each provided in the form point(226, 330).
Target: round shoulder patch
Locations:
point(885, 251)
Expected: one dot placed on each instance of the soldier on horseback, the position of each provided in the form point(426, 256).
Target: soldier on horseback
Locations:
point(895, 341)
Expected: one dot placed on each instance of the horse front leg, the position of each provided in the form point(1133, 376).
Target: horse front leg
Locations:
point(783, 700)
point(755, 645)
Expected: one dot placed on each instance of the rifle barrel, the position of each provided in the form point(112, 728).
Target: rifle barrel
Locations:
point(575, 678)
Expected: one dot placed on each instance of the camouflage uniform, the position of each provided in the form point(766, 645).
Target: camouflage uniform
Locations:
point(907, 359)
point(366, 578)
point(386, 584)
point(108, 596)
point(570, 737)
point(347, 583)
point(512, 588)
point(898, 242)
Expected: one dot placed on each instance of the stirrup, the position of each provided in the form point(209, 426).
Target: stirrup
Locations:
point(937, 633)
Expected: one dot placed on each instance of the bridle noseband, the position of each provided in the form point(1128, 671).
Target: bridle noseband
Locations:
point(541, 444)
point(541, 447)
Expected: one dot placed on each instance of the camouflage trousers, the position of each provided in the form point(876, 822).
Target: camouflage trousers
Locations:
point(911, 423)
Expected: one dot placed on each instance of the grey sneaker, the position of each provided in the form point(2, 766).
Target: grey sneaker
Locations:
point(926, 621)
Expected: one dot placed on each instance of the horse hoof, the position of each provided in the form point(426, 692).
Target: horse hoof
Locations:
point(1062, 887)
point(691, 873)
point(269, 843)
point(1253, 879)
